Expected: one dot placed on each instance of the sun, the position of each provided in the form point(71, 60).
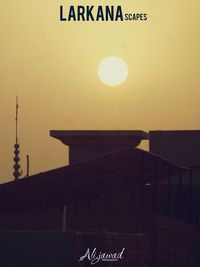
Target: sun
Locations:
point(113, 71)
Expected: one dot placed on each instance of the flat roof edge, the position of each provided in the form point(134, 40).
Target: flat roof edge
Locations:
point(99, 133)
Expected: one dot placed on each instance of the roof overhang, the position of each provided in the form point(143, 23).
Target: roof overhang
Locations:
point(106, 137)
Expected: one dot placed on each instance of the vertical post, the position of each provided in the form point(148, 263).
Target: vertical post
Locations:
point(142, 189)
point(168, 189)
point(64, 215)
point(154, 242)
point(88, 202)
point(190, 197)
point(135, 186)
point(132, 198)
point(64, 218)
point(155, 185)
point(109, 221)
point(109, 203)
point(179, 194)
point(77, 201)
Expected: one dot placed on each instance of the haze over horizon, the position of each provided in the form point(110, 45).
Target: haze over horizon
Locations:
point(52, 67)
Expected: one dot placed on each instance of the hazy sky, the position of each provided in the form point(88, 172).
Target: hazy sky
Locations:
point(52, 67)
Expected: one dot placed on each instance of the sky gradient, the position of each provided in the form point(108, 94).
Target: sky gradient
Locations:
point(52, 67)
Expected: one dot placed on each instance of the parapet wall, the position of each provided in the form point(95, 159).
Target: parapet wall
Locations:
point(137, 250)
point(174, 244)
point(41, 249)
point(177, 243)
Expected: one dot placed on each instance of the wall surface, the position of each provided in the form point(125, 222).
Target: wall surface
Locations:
point(36, 249)
point(52, 249)
point(177, 243)
point(137, 248)
point(178, 146)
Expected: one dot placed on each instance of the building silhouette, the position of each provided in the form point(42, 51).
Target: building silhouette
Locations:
point(113, 194)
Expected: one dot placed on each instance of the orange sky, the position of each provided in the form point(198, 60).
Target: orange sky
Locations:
point(52, 67)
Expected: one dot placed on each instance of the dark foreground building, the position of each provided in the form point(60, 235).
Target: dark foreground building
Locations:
point(111, 196)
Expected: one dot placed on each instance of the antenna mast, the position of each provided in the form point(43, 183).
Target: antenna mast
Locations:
point(16, 166)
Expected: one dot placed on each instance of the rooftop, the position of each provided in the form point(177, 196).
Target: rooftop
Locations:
point(94, 178)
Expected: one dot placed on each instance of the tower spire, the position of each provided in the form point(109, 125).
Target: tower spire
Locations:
point(16, 166)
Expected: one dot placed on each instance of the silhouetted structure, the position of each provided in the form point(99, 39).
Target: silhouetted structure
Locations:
point(84, 145)
point(115, 191)
point(16, 166)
